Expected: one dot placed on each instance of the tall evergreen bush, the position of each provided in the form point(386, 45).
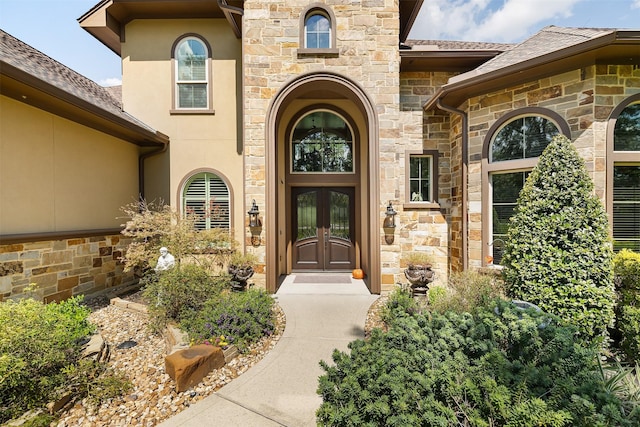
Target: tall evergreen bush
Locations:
point(558, 253)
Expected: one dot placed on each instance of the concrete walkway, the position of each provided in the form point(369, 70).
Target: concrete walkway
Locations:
point(280, 390)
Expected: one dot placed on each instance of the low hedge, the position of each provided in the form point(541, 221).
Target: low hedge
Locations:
point(497, 367)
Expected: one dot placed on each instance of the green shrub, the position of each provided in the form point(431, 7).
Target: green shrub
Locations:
point(626, 334)
point(483, 369)
point(626, 270)
point(178, 291)
point(37, 343)
point(628, 322)
point(400, 303)
point(466, 291)
point(558, 254)
point(241, 317)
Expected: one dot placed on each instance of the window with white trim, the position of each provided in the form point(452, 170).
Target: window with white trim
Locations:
point(513, 152)
point(317, 30)
point(626, 179)
point(207, 197)
point(191, 74)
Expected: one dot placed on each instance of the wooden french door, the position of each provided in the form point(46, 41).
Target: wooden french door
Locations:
point(323, 228)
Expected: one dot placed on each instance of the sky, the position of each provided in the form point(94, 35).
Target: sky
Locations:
point(51, 26)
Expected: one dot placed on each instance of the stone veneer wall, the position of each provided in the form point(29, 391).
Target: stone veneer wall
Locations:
point(421, 229)
point(583, 97)
point(63, 268)
point(367, 40)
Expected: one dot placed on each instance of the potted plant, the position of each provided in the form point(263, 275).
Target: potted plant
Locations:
point(241, 269)
point(418, 271)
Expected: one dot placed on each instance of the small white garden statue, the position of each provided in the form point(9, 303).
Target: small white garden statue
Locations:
point(165, 260)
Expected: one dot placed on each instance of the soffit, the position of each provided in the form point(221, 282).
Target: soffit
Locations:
point(408, 12)
point(446, 55)
point(55, 103)
point(106, 20)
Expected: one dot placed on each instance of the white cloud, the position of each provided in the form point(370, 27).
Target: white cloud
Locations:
point(635, 4)
point(484, 20)
point(111, 81)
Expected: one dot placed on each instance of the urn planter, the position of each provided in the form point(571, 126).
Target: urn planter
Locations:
point(239, 277)
point(420, 277)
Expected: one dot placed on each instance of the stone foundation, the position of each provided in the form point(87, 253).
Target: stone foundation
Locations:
point(63, 268)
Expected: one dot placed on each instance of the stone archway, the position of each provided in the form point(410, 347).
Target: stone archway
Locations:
point(333, 91)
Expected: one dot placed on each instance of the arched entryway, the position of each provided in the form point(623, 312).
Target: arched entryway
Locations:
point(322, 179)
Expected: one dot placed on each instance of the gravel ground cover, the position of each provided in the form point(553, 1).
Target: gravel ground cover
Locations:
point(153, 397)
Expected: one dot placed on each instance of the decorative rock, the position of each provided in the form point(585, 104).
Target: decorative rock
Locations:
point(96, 349)
point(175, 339)
point(59, 404)
point(187, 367)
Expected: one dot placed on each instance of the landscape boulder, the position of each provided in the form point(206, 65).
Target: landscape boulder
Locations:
point(187, 367)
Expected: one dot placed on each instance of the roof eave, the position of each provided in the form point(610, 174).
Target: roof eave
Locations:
point(28, 89)
point(408, 15)
point(444, 60)
point(106, 21)
point(462, 88)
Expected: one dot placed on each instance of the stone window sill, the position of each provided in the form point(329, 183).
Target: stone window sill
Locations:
point(331, 52)
point(420, 205)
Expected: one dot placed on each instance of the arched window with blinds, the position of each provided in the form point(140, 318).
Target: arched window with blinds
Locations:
point(206, 196)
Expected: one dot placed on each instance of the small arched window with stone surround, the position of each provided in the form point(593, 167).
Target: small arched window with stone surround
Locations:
point(510, 152)
point(317, 31)
point(623, 174)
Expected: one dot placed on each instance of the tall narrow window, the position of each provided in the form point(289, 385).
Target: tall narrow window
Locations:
point(191, 74)
point(207, 197)
point(626, 179)
point(513, 150)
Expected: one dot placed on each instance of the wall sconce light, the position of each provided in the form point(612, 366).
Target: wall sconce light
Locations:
point(255, 225)
point(389, 224)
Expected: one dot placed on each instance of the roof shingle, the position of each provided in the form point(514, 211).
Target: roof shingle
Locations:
point(32, 62)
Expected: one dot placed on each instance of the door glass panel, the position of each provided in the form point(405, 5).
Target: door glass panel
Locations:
point(307, 215)
point(339, 215)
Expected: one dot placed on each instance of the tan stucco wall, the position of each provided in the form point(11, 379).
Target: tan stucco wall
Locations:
point(203, 141)
point(57, 175)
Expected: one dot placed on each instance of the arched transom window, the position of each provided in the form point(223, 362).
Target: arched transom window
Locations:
point(513, 151)
point(626, 179)
point(206, 196)
point(322, 142)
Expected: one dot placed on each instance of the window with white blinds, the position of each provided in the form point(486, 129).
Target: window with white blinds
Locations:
point(626, 207)
point(207, 197)
point(191, 74)
point(626, 179)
